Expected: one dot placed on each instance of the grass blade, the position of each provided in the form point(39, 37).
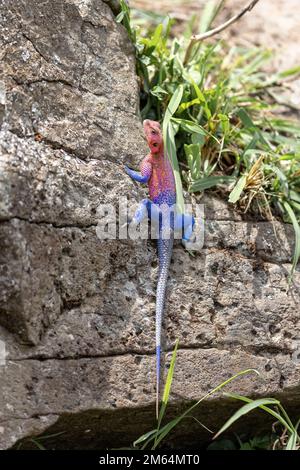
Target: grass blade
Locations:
point(292, 442)
point(169, 140)
point(144, 437)
point(37, 443)
point(193, 156)
point(167, 386)
point(296, 226)
point(173, 105)
point(209, 182)
point(244, 410)
point(293, 439)
point(276, 415)
point(209, 13)
point(169, 426)
point(290, 72)
point(237, 190)
point(170, 375)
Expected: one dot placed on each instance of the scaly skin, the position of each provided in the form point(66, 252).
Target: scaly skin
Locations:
point(156, 170)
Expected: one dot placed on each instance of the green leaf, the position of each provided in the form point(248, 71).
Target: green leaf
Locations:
point(293, 439)
point(190, 126)
point(249, 125)
point(169, 381)
point(198, 139)
point(120, 16)
point(157, 35)
point(170, 146)
point(188, 104)
point(124, 17)
point(289, 72)
point(37, 443)
point(292, 442)
point(246, 119)
point(260, 58)
point(286, 125)
point(159, 92)
point(210, 181)
point(144, 437)
point(173, 104)
point(210, 11)
point(194, 128)
point(193, 156)
point(285, 422)
point(49, 436)
point(295, 196)
point(162, 433)
point(224, 123)
point(296, 226)
point(154, 42)
point(244, 410)
point(166, 393)
point(202, 99)
point(237, 190)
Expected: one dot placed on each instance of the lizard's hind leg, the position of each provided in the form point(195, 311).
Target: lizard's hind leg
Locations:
point(185, 223)
point(141, 212)
point(146, 208)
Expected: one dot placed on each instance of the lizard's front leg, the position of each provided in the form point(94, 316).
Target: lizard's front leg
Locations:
point(136, 176)
point(144, 176)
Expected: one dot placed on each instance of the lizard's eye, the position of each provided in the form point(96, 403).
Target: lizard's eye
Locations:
point(153, 132)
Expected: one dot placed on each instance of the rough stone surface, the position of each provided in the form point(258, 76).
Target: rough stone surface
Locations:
point(68, 70)
point(77, 313)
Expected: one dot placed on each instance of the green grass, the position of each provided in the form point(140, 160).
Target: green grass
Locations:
point(288, 439)
point(272, 407)
point(38, 441)
point(155, 437)
point(220, 114)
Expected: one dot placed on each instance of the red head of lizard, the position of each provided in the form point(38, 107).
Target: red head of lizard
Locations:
point(153, 136)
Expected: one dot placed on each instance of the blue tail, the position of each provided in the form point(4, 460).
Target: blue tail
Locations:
point(164, 254)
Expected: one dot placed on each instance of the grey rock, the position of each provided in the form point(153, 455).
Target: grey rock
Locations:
point(76, 312)
point(68, 74)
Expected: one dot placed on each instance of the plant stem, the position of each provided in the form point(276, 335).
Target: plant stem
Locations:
point(212, 32)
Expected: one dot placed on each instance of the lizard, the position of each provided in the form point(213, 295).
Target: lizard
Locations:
point(156, 170)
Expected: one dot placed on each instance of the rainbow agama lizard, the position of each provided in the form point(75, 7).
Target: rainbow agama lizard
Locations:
point(156, 170)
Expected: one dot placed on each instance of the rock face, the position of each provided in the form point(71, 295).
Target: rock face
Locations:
point(76, 312)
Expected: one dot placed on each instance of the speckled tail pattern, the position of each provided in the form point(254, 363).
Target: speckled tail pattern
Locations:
point(165, 247)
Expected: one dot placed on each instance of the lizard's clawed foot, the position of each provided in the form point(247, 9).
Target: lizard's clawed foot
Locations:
point(191, 239)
